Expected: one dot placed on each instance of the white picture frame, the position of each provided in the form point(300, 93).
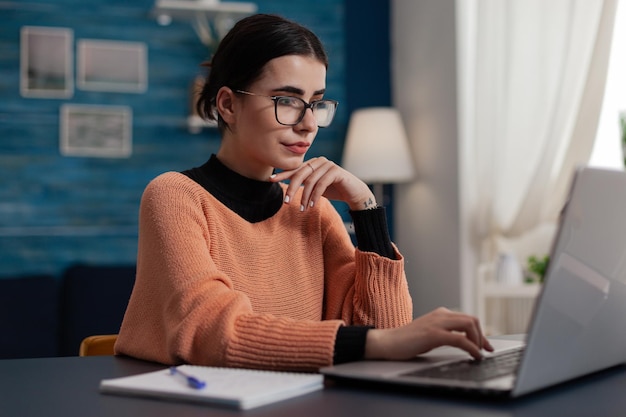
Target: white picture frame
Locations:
point(46, 62)
point(96, 131)
point(117, 66)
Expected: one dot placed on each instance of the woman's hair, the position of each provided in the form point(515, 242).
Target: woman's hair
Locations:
point(242, 54)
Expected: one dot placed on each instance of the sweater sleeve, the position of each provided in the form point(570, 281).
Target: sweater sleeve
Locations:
point(372, 233)
point(183, 309)
point(362, 288)
point(350, 343)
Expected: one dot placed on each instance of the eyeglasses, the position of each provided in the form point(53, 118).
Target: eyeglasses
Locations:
point(289, 110)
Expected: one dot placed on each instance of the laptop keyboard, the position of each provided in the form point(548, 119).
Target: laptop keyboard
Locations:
point(474, 370)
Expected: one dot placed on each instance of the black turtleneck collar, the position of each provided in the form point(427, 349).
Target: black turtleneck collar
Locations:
point(253, 200)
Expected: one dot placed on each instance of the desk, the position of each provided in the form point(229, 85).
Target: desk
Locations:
point(68, 387)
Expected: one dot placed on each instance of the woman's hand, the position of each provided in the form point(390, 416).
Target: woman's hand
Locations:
point(321, 177)
point(437, 328)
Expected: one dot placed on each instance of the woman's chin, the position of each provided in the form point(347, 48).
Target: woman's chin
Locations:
point(290, 165)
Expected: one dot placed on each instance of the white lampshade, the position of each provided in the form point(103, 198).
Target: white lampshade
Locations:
point(377, 150)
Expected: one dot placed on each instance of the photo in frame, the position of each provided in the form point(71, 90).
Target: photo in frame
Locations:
point(46, 62)
point(96, 131)
point(116, 66)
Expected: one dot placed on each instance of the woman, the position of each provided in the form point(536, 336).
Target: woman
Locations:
point(236, 268)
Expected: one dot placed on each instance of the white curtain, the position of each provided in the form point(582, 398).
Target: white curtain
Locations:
point(608, 149)
point(532, 76)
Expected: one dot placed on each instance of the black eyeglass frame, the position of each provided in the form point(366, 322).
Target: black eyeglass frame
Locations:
point(304, 109)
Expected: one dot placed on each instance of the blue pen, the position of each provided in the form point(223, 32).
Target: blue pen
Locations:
point(192, 381)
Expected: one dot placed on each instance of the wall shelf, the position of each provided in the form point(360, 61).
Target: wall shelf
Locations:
point(503, 308)
point(497, 290)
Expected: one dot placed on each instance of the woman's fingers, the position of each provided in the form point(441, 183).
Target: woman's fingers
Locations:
point(440, 327)
point(468, 326)
point(322, 177)
point(310, 175)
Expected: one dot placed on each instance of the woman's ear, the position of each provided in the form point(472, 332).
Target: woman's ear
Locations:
point(225, 104)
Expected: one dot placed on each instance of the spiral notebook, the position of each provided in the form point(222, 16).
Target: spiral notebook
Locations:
point(230, 387)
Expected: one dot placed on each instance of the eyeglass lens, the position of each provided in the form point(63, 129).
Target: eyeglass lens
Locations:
point(291, 110)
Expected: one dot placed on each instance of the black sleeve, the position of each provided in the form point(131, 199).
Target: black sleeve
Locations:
point(372, 232)
point(350, 344)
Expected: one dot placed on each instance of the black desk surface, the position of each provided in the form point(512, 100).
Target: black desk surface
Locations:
point(68, 387)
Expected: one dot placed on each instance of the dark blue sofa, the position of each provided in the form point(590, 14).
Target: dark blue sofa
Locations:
point(45, 316)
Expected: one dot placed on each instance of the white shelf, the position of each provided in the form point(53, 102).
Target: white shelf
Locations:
point(503, 308)
point(496, 290)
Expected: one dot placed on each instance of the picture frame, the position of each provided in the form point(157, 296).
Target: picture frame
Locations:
point(96, 131)
point(117, 66)
point(46, 62)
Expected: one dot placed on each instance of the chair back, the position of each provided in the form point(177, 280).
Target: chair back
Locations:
point(97, 345)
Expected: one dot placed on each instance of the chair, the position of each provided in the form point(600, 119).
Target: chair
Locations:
point(97, 345)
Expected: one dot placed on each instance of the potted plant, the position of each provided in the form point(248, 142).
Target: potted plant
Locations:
point(536, 268)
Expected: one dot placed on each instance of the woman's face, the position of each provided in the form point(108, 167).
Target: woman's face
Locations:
point(256, 143)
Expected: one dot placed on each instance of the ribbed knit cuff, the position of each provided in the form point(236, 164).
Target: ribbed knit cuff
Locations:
point(382, 295)
point(372, 232)
point(350, 343)
point(267, 342)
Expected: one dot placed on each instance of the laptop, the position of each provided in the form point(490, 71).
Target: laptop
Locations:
point(578, 324)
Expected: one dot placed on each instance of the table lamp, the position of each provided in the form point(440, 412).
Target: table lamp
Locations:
point(377, 150)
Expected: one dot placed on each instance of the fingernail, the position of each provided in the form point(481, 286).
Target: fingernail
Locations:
point(311, 204)
point(301, 207)
point(286, 199)
point(273, 176)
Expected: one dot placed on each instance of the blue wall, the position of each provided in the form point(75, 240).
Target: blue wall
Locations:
point(368, 63)
point(367, 54)
point(57, 210)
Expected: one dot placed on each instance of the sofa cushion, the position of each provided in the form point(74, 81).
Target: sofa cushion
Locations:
point(29, 322)
point(93, 301)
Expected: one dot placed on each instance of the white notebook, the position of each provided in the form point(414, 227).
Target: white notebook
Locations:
point(232, 387)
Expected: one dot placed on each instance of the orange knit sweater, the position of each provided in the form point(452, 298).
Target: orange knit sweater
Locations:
point(214, 289)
